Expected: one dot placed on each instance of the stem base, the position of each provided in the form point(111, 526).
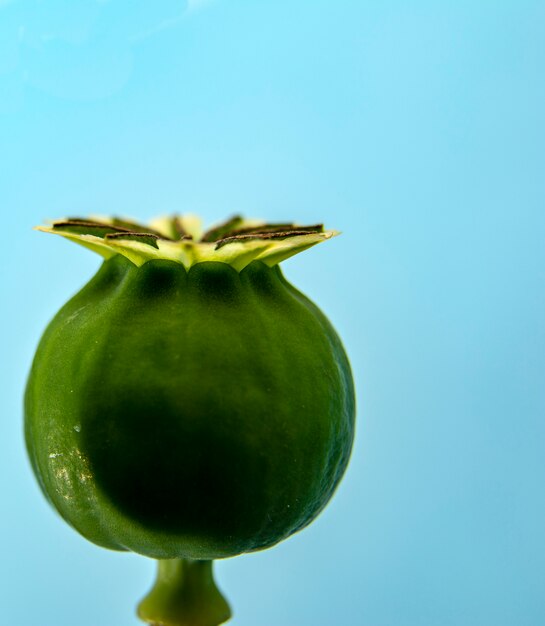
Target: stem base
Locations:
point(184, 594)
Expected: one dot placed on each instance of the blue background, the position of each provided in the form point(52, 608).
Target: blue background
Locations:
point(416, 128)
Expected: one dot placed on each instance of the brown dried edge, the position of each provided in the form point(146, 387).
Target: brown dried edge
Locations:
point(147, 238)
point(117, 224)
point(135, 227)
point(267, 235)
point(86, 227)
point(275, 228)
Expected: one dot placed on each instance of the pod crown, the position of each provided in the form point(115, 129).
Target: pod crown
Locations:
point(237, 241)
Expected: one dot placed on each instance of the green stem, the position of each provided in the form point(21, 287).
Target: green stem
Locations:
point(184, 594)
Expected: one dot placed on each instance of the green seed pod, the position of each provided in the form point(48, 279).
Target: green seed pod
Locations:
point(189, 404)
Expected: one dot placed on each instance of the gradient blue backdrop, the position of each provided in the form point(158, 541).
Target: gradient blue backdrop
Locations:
point(416, 128)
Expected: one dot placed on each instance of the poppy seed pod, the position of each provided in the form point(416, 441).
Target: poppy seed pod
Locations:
point(189, 404)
